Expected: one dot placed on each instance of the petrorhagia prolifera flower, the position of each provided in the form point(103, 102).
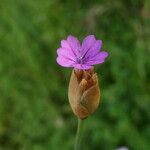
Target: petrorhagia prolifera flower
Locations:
point(73, 54)
point(83, 92)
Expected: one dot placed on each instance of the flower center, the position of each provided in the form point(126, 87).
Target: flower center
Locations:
point(80, 60)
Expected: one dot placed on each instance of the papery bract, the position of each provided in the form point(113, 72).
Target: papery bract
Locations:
point(83, 92)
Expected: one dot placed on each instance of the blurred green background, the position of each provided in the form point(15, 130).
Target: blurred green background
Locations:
point(34, 109)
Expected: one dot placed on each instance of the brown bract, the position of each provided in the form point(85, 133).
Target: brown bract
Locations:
point(83, 93)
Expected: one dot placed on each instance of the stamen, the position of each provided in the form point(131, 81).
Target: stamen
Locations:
point(80, 60)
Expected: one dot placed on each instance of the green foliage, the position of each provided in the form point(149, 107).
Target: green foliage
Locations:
point(34, 109)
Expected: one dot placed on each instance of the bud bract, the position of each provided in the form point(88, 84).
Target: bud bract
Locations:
point(84, 92)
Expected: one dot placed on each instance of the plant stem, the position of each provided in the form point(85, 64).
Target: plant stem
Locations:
point(78, 135)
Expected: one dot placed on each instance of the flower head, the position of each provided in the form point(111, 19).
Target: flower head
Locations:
point(80, 56)
point(83, 92)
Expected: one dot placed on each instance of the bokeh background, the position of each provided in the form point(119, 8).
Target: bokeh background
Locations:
point(34, 109)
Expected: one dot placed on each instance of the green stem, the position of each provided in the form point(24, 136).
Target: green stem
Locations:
point(78, 135)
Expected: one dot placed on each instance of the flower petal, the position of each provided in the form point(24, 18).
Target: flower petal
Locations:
point(65, 62)
point(82, 66)
point(94, 50)
point(67, 53)
point(74, 44)
point(65, 44)
point(98, 59)
point(87, 43)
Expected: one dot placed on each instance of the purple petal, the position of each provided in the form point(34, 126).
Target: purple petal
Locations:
point(98, 59)
point(74, 44)
point(82, 66)
point(65, 44)
point(94, 50)
point(67, 53)
point(65, 62)
point(87, 43)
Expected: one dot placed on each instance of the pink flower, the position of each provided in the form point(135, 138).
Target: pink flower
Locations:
point(80, 56)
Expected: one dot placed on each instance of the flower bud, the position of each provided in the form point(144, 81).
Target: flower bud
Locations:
point(83, 93)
